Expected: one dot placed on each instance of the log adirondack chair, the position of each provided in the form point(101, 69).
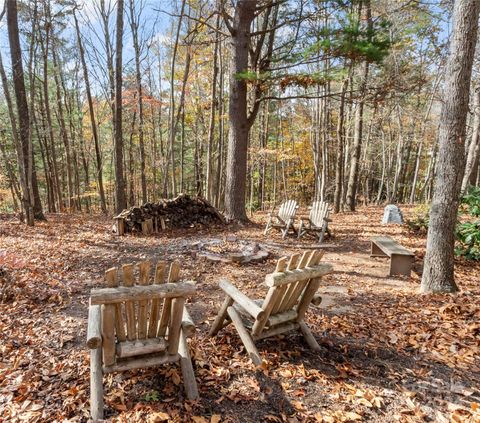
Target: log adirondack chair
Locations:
point(136, 324)
point(284, 219)
point(317, 222)
point(292, 288)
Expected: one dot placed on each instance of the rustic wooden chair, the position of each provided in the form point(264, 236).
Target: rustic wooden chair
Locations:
point(284, 219)
point(136, 325)
point(292, 288)
point(317, 222)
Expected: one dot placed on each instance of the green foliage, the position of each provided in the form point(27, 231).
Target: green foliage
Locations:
point(468, 233)
point(468, 236)
point(471, 201)
point(152, 396)
point(353, 40)
point(419, 222)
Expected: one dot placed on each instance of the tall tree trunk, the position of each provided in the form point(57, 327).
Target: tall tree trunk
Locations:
point(211, 125)
point(172, 125)
point(120, 195)
point(438, 274)
point(340, 151)
point(357, 141)
point(134, 24)
point(235, 187)
point(63, 129)
point(474, 146)
point(93, 123)
point(24, 153)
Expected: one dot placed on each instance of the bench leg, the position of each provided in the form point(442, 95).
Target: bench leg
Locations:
point(400, 265)
point(376, 251)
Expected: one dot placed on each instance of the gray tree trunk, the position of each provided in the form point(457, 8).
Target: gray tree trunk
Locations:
point(438, 274)
point(120, 196)
point(474, 145)
point(24, 153)
point(235, 185)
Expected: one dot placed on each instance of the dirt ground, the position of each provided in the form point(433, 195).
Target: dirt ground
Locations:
point(388, 352)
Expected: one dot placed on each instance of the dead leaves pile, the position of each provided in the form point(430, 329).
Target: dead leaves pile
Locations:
point(392, 355)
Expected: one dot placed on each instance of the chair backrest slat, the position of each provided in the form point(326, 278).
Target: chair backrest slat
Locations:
point(144, 279)
point(134, 315)
point(129, 280)
point(156, 303)
point(287, 210)
point(318, 212)
point(288, 288)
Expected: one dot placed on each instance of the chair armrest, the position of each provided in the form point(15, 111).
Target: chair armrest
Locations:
point(239, 297)
point(94, 335)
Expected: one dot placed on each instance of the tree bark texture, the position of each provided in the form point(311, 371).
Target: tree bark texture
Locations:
point(438, 274)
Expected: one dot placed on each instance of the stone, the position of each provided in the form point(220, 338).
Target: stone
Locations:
point(392, 214)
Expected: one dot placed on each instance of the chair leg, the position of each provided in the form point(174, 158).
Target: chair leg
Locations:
point(322, 234)
point(96, 384)
point(287, 228)
point(245, 337)
point(300, 230)
point(221, 316)
point(307, 334)
point(187, 369)
point(268, 227)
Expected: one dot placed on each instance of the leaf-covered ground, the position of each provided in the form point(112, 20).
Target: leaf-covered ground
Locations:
point(388, 353)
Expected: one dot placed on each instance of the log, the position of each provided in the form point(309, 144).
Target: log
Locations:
point(182, 211)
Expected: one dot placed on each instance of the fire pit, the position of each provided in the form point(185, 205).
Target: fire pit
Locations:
point(231, 250)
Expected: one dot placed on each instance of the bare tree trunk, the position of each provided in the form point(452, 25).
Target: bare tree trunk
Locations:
point(438, 274)
point(357, 137)
point(211, 126)
point(63, 129)
point(134, 24)
point(340, 151)
point(24, 153)
point(93, 123)
point(474, 146)
point(172, 125)
point(120, 195)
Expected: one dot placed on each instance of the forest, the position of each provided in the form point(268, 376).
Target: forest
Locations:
point(161, 136)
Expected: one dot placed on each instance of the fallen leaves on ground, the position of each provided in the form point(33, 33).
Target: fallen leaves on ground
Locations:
point(388, 353)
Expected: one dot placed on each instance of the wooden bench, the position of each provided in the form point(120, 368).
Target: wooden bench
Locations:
point(401, 259)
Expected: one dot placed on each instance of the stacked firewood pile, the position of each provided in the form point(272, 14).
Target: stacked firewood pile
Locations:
point(181, 212)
